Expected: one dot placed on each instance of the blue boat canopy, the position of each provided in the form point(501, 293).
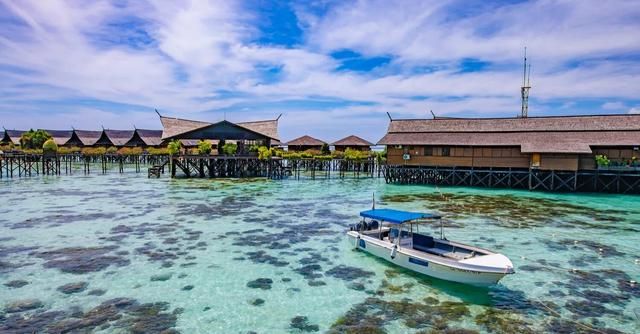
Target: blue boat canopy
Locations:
point(396, 216)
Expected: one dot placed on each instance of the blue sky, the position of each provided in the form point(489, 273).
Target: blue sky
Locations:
point(332, 68)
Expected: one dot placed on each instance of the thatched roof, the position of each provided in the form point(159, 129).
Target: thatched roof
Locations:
point(268, 128)
point(533, 124)
point(119, 137)
point(14, 135)
point(88, 137)
point(150, 137)
point(175, 126)
point(560, 134)
point(351, 141)
point(60, 137)
point(306, 141)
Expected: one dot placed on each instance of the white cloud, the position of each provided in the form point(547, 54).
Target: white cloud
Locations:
point(635, 110)
point(49, 52)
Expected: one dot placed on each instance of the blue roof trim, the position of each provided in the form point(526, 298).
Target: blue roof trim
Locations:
point(396, 216)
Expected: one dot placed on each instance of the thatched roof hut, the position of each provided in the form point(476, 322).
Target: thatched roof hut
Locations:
point(87, 137)
point(12, 136)
point(304, 143)
point(148, 137)
point(352, 142)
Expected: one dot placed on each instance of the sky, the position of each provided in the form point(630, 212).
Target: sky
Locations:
point(331, 68)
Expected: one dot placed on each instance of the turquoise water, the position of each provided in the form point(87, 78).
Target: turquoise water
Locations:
point(120, 253)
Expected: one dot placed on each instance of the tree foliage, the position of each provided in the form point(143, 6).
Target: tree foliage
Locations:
point(34, 139)
point(50, 146)
point(174, 147)
point(602, 161)
point(229, 148)
point(204, 147)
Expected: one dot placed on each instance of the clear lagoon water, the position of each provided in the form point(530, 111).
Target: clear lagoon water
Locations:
point(120, 253)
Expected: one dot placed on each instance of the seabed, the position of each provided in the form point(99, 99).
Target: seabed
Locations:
point(119, 253)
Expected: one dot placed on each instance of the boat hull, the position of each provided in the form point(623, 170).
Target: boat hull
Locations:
point(425, 265)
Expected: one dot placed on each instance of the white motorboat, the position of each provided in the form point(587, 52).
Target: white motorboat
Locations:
point(394, 236)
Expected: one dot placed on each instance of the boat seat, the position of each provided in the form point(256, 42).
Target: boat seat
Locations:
point(422, 242)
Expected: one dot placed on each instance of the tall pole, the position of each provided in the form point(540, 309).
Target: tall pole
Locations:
point(524, 90)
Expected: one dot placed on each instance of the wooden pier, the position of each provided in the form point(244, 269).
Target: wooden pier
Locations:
point(26, 165)
point(611, 181)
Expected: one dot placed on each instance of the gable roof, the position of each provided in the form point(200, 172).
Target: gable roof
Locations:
point(173, 127)
point(305, 141)
point(529, 124)
point(88, 137)
point(60, 137)
point(150, 137)
point(556, 134)
point(119, 137)
point(14, 135)
point(268, 128)
point(352, 141)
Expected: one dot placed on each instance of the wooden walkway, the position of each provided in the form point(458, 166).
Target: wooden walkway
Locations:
point(611, 181)
point(26, 165)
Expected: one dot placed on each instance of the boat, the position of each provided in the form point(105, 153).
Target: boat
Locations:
point(394, 235)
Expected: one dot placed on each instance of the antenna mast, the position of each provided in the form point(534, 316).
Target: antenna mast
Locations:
point(524, 90)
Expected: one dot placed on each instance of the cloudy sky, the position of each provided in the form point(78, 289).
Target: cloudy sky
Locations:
point(332, 68)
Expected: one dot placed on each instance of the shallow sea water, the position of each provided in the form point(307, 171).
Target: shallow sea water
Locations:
point(240, 256)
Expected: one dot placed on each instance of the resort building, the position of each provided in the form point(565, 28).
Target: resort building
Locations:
point(534, 144)
point(352, 142)
point(305, 143)
point(244, 134)
point(12, 136)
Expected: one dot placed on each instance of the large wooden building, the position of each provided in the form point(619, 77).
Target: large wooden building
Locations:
point(555, 144)
point(244, 133)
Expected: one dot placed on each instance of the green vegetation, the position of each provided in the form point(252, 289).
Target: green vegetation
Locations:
point(265, 153)
point(355, 155)
point(130, 151)
point(204, 147)
point(68, 150)
point(174, 147)
point(325, 149)
point(34, 139)
point(602, 161)
point(111, 150)
point(229, 148)
point(158, 151)
point(94, 150)
point(50, 146)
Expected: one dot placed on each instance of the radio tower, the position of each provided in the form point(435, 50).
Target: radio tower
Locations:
point(524, 90)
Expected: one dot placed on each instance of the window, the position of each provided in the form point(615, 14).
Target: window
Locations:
point(428, 151)
point(446, 151)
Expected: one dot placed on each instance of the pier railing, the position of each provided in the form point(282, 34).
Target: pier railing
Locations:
point(189, 166)
point(626, 181)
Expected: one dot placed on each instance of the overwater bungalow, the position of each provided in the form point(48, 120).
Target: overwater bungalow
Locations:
point(12, 136)
point(85, 137)
point(553, 153)
point(352, 142)
point(305, 143)
point(145, 138)
point(245, 134)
